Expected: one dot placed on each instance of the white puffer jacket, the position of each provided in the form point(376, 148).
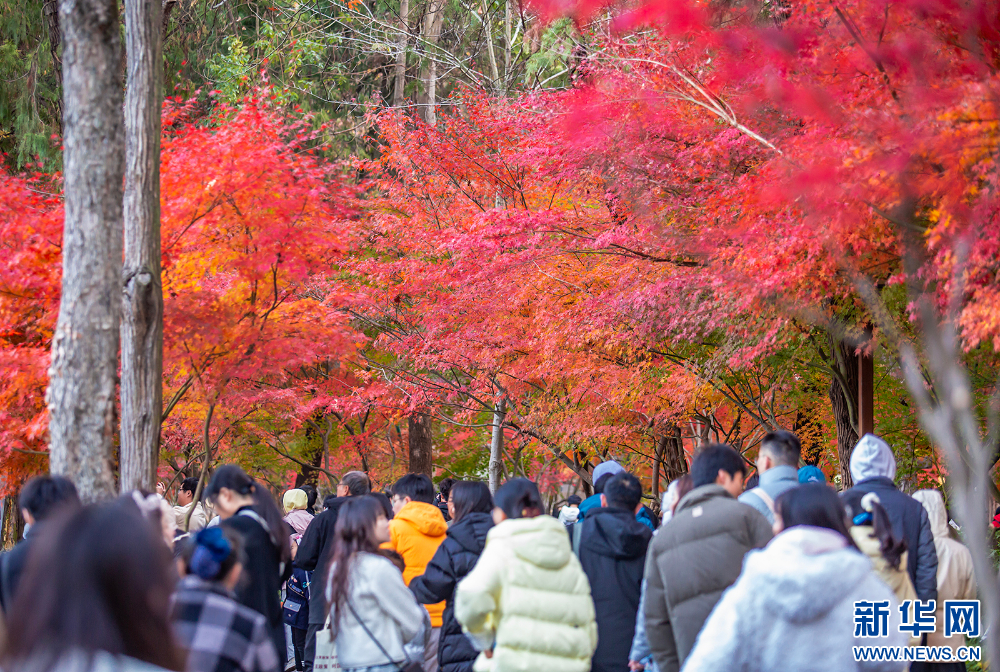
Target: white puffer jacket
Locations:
point(792, 608)
point(955, 580)
point(529, 600)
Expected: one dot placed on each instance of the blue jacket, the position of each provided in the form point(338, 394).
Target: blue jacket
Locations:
point(645, 516)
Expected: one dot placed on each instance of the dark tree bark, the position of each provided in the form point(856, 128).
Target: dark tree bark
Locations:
point(844, 400)
point(674, 462)
point(84, 370)
point(142, 304)
point(419, 441)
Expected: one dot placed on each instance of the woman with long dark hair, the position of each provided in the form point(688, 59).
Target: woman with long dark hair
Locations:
point(94, 598)
point(219, 633)
point(249, 509)
point(527, 602)
point(792, 608)
point(372, 612)
point(470, 507)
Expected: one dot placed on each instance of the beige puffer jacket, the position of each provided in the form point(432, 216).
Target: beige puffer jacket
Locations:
point(955, 580)
point(529, 599)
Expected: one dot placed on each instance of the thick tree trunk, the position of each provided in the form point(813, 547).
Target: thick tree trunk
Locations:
point(674, 462)
point(142, 305)
point(844, 400)
point(496, 444)
point(84, 371)
point(432, 32)
point(398, 94)
point(419, 440)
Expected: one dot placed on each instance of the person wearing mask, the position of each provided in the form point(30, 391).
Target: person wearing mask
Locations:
point(471, 509)
point(873, 468)
point(612, 551)
point(249, 510)
point(185, 502)
point(873, 535)
point(955, 579)
point(416, 531)
point(218, 633)
point(792, 608)
point(526, 603)
point(777, 464)
point(372, 613)
point(316, 549)
point(40, 498)
point(70, 617)
point(694, 558)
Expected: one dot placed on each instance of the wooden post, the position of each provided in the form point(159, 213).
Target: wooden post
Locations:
point(866, 394)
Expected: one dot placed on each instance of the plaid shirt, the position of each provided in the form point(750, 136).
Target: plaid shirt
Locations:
point(219, 634)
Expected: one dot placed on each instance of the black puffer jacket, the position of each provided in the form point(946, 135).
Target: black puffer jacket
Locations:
point(613, 555)
point(455, 557)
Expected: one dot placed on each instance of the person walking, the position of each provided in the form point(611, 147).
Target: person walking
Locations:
point(526, 603)
point(470, 507)
point(777, 464)
point(249, 509)
point(698, 554)
point(873, 468)
point(95, 597)
point(41, 498)
point(372, 613)
point(612, 551)
point(218, 633)
point(955, 579)
point(316, 549)
point(295, 605)
point(416, 531)
point(792, 607)
point(602, 473)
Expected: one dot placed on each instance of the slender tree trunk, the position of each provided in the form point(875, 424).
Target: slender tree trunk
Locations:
point(432, 32)
point(496, 444)
point(844, 400)
point(661, 445)
point(398, 94)
point(490, 50)
point(84, 370)
point(142, 305)
point(420, 444)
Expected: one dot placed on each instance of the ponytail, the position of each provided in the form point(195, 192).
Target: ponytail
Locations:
point(873, 513)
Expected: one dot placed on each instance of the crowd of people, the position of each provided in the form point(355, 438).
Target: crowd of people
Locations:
point(726, 577)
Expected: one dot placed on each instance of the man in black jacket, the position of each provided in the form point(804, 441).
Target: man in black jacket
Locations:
point(612, 550)
point(316, 550)
point(40, 498)
point(873, 468)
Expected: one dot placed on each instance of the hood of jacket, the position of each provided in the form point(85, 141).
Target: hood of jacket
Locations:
point(804, 572)
point(470, 532)
point(615, 533)
point(299, 519)
point(426, 518)
point(541, 541)
point(934, 505)
point(872, 458)
point(700, 495)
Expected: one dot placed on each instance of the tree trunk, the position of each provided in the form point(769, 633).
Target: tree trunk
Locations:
point(674, 462)
point(661, 445)
point(844, 400)
point(419, 440)
point(142, 305)
point(84, 370)
point(432, 31)
point(398, 97)
point(496, 444)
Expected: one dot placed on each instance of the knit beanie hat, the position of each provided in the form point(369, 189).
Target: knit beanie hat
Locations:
point(811, 474)
point(608, 467)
